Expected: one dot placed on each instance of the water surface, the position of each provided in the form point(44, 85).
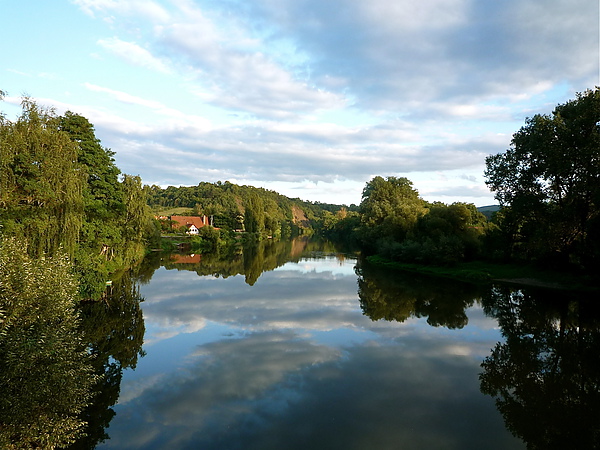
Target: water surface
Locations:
point(315, 353)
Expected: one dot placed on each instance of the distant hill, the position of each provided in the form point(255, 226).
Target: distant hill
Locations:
point(488, 211)
point(234, 207)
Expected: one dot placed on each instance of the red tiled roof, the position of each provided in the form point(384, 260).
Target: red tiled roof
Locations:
point(186, 221)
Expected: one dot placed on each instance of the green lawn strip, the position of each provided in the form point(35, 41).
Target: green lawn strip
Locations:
point(173, 211)
point(484, 272)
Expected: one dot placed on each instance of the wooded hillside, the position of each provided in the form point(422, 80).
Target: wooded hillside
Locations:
point(244, 208)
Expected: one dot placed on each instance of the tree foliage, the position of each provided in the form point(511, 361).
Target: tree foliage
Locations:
point(41, 184)
point(391, 205)
point(102, 197)
point(60, 190)
point(389, 210)
point(397, 224)
point(46, 375)
point(446, 234)
point(549, 183)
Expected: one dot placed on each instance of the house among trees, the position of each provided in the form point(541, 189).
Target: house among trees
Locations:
point(191, 223)
point(191, 229)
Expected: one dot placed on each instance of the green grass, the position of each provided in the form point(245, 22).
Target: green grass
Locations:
point(484, 272)
point(172, 211)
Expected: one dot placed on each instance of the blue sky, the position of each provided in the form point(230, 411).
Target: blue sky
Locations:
point(310, 98)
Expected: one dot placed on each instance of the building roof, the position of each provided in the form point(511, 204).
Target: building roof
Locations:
point(186, 221)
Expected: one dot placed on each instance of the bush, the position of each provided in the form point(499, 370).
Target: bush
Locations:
point(46, 375)
point(207, 240)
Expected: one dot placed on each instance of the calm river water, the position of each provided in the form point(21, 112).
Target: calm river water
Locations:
point(295, 346)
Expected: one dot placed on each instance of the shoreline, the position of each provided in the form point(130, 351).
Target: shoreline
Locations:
point(479, 272)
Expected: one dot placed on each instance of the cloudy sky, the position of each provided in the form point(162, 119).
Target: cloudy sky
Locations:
point(310, 98)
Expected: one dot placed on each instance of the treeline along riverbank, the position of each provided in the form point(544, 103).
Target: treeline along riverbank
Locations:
point(71, 223)
point(62, 193)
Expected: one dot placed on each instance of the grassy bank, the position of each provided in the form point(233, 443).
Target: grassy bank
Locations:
point(484, 272)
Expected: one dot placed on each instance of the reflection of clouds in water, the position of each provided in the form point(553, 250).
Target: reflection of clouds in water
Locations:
point(274, 390)
point(478, 318)
point(316, 301)
point(292, 362)
point(170, 328)
point(225, 380)
point(334, 266)
point(137, 388)
point(245, 368)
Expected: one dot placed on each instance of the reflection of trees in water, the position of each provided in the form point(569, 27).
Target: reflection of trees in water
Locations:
point(251, 260)
point(114, 331)
point(546, 376)
point(396, 296)
point(45, 372)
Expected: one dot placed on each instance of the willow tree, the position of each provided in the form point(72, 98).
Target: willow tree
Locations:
point(41, 181)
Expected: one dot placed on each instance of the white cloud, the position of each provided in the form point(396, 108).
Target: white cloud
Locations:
point(124, 97)
point(134, 54)
point(391, 52)
point(144, 9)
point(242, 79)
point(408, 16)
point(178, 119)
point(18, 72)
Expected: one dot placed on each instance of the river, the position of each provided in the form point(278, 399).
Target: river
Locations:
point(296, 345)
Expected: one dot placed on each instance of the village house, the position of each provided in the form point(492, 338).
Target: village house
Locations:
point(191, 223)
point(191, 229)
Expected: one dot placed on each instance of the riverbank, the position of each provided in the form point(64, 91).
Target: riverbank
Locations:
point(484, 272)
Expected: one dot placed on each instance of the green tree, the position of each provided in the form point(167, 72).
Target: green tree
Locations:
point(101, 238)
point(103, 197)
point(41, 182)
point(549, 179)
point(46, 375)
point(137, 219)
point(389, 210)
point(254, 214)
